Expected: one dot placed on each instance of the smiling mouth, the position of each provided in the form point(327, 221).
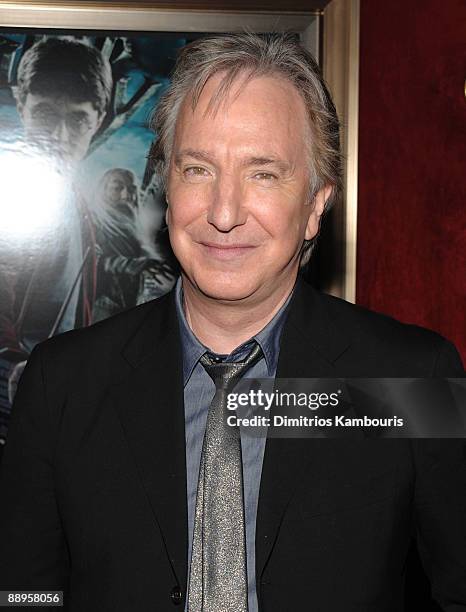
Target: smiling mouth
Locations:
point(226, 251)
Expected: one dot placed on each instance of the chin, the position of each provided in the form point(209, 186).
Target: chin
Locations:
point(226, 287)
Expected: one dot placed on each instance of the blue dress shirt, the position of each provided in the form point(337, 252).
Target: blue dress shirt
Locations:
point(199, 391)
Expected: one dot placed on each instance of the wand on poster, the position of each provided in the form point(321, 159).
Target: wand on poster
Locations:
point(67, 299)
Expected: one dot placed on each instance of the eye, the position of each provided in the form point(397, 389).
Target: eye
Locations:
point(265, 176)
point(195, 172)
point(78, 123)
point(45, 117)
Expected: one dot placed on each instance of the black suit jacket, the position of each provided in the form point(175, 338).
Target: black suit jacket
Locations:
point(93, 480)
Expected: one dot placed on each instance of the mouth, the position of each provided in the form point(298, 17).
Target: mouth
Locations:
point(57, 152)
point(226, 252)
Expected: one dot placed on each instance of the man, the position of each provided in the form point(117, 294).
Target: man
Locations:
point(62, 95)
point(122, 485)
point(63, 92)
point(123, 262)
point(117, 190)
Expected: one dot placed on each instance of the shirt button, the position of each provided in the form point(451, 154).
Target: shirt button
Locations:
point(176, 595)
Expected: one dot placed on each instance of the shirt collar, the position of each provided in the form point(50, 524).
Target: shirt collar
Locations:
point(268, 338)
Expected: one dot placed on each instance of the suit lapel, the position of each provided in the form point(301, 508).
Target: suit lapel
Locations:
point(151, 410)
point(150, 406)
point(311, 343)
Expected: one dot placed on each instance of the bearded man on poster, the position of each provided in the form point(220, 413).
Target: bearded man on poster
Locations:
point(120, 485)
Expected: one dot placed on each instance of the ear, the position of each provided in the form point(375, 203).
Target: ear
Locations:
point(318, 207)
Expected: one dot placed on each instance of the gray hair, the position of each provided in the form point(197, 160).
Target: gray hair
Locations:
point(255, 56)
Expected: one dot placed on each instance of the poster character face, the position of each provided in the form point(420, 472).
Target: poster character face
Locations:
point(238, 189)
point(60, 125)
point(120, 190)
point(63, 91)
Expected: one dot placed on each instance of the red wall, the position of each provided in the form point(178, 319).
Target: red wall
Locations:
point(412, 163)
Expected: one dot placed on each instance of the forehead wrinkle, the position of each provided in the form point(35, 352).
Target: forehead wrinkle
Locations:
point(225, 92)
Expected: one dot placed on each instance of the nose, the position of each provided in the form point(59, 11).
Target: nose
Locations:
point(227, 210)
point(61, 132)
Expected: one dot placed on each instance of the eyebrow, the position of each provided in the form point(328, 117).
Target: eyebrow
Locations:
point(194, 153)
point(43, 105)
point(267, 161)
point(201, 155)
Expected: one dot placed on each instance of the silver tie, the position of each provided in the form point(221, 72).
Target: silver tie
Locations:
point(218, 577)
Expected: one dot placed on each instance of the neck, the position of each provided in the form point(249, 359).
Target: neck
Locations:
point(223, 326)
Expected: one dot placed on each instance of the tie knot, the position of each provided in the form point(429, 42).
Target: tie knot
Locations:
point(226, 373)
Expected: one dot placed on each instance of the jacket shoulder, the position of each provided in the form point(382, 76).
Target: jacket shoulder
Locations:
point(114, 330)
point(376, 324)
point(383, 340)
point(91, 356)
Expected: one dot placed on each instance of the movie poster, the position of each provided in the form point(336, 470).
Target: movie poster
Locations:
point(82, 218)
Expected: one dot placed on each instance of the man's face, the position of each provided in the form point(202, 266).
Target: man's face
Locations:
point(118, 192)
point(60, 125)
point(238, 190)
